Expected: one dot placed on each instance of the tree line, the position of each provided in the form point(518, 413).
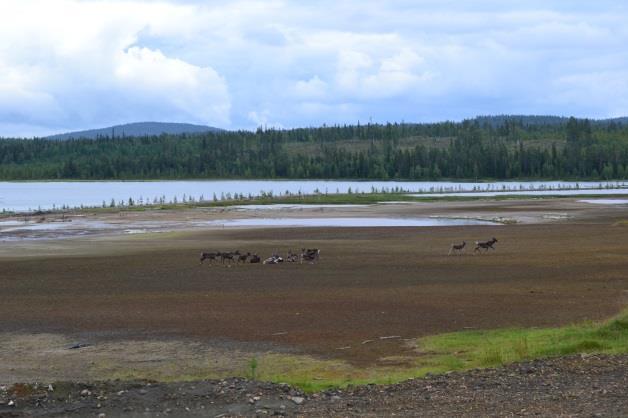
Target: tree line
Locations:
point(576, 149)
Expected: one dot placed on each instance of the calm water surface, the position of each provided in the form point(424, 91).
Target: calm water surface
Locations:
point(27, 196)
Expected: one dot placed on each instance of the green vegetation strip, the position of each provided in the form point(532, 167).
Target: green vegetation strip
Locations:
point(465, 350)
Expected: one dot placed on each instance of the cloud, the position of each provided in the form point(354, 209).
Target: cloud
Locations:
point(597, 87)
point(312, 88)
point(361, 76)
point(69, 64)
point(75, 65)
point(187, 90)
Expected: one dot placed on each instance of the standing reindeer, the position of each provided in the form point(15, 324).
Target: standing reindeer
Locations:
point(242, 258)
point(457, 248)
point(229, 257)
point(485, 244)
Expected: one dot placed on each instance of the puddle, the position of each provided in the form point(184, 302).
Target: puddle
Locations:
point(15, 226)
point(280, 206)
point(606, 201)
point(16, 230)
point(573, 192)
point(135, 231)
point(346, 222)
point(20, 230)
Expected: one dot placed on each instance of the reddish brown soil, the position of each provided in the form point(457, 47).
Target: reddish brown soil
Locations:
point(369, 283)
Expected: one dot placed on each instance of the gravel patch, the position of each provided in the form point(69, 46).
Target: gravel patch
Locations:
point(582, 385)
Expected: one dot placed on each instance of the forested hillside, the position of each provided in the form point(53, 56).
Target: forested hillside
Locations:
point(575, 149)
point(137, 129)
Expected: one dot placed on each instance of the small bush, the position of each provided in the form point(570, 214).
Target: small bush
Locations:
point(253, 368)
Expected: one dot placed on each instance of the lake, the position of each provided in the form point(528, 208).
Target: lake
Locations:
point(29, 196)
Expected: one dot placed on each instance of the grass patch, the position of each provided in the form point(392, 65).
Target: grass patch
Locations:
point(498, 347)
point(460, 351)
point(456, 352)
point(491, 356)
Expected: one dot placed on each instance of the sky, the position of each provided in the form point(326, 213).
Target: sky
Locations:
point(69, 64)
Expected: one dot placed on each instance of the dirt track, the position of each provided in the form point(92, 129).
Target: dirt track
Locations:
point(370, 283)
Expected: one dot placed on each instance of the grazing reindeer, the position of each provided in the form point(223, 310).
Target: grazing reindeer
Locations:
point(255, 259)
point(459, 248)
point(485, 244)
point(311, 255)
point(209, 256)
point(243, 257)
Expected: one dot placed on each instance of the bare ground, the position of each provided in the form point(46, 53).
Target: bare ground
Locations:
point(576, 386)
point(145, 306)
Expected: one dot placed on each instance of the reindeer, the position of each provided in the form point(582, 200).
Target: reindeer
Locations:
point(485, 244)
point(255, 259)
point(292, 257)
point(311, 255)
point(459, 248)
point(242, 258)
point(230, 257)
point(273, 259)
point(209, 256)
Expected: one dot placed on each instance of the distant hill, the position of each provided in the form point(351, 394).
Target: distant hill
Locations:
point(536, 120)
point(138, 129)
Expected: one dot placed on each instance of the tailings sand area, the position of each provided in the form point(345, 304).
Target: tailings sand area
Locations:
point(144, 306)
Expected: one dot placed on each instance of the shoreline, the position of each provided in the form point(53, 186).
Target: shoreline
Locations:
point(86, 224)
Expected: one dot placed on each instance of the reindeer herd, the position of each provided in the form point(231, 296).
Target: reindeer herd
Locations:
point(479, 245)
point(310, 255)
point(229, 258)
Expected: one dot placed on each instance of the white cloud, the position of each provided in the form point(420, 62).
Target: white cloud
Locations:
point(199, 93)
point(394, 75)
point(68, 64)
point(75, 65)
point(312, 88)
